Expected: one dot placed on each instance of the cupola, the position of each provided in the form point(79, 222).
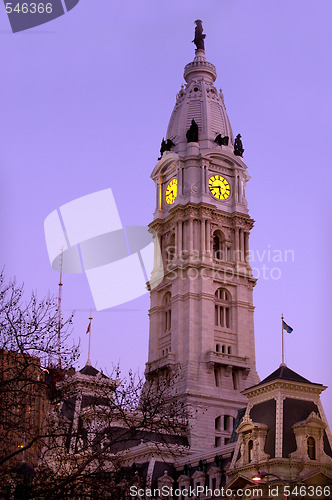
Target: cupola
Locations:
point(199, 100)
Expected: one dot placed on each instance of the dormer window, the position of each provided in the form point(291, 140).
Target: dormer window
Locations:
point(250, 450)
point(311, 448)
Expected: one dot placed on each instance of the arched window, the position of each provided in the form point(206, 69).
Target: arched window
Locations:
point(311, 446)
point(219, 248)
point(167, 311)
point(217, 424)
point(217, 347)
point(222, 249)
point(228, 423)
point(222, 309)
point(250, 450)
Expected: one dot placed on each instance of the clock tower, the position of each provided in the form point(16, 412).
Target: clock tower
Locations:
point(201, 315)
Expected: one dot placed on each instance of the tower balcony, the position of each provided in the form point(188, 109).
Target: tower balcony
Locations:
point(166, 362)
point(229, 361)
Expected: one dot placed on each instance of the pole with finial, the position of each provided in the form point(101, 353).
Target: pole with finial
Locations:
point(282, 340)
point(59, 308)
point(89, 332)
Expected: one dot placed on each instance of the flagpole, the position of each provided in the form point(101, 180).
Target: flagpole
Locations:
point(89, 349)
point(282, 340)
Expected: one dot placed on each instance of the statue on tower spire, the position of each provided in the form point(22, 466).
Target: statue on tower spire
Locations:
point(199, 37)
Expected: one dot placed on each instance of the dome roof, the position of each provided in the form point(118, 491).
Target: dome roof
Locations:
point(199, 100)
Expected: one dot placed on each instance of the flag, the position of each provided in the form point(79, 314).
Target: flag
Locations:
point(287, 327)
point(88, 330)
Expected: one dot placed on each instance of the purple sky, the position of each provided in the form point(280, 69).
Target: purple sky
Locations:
point(85, 102)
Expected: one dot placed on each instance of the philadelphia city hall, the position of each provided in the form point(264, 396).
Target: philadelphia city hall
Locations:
point(243, 436)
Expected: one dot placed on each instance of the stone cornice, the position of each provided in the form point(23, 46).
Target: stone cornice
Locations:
point(289, 387)
point(180, 213)
point(196, 455)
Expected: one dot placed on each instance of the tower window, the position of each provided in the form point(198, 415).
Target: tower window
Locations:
point(217, 347)
point(311, 446)
point(217, 424)
point(234, 378)
point(222, 314)
point(216, 377)
point(167, 311)
point(219, 247)
point(170, 250)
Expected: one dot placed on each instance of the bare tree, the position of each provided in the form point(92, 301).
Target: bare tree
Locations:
point(34, 353)
point(68, 434)
point(112, 428)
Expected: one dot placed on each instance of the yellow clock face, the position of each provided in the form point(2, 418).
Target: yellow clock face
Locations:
point(219, 187)
point(171, 191)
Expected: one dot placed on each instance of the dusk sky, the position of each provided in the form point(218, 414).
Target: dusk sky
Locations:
point(85, 102)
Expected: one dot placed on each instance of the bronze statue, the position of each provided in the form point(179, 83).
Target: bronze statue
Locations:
point(199, 37)
point(192, 132)
point(238, 146)
point(222, 141)
point(165, 146)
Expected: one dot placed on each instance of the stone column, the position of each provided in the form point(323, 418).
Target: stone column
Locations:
point(179, 237)
point(191, 235)
point(242, 245)
point(179, 180)
point(208, 242)
point(246, 246)
point(203, 236)
point(237, 244)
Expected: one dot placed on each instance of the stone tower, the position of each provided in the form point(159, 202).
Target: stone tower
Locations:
point(201, 316)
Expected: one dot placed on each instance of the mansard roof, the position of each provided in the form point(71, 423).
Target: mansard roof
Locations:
point(91, 371)
point(284, 373)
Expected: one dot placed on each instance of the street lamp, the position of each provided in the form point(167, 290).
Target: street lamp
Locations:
point(260, 476)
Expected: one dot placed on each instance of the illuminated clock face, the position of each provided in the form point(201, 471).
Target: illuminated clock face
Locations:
point(219, 187)
point(171, 192)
